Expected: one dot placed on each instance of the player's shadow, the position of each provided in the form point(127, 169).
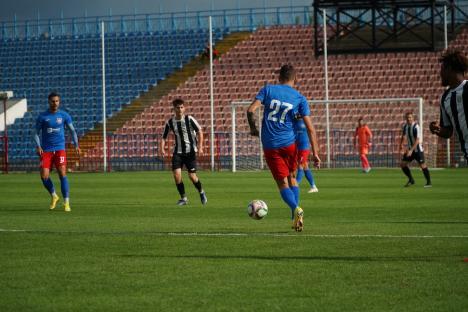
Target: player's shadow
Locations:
point(426, 222)
point(289, 258)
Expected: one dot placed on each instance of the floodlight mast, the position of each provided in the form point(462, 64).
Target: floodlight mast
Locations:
point(5, 95)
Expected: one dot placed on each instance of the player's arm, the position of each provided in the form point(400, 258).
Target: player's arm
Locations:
point(250, 117)
point(313, 140)
point(444, 127)
point(354, 138)
point(36, 138)
point(402, 139)
point(439, 130)
point(74, 137)
point(164, 138)
point(369, 136)
point(198, 129)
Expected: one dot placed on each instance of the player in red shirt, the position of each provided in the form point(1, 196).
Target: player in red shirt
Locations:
point(363, 135)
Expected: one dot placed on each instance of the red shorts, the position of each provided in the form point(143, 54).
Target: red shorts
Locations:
point(281, 161)
point(303, 156)
point(363, 150)
point(58, 158)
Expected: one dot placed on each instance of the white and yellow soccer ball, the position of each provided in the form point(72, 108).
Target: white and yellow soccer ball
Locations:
point(257, 209)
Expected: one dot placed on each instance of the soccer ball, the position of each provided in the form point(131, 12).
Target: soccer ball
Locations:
point(257, 209)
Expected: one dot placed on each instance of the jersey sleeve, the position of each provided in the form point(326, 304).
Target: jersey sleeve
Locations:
point(369, 132)
point(67, 119)
point(417, 132)
point(37, 131)
point(166, 130)
point(444, 118)
point(194, 124)
point(304, 109)
point(261, 94)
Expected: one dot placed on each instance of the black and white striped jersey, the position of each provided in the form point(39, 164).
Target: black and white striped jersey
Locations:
point(453, 113)
point(185, 133)
point(412, 132)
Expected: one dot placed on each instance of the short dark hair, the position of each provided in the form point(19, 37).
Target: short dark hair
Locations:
point(177, 102)
point(52, 94)
point(287, 73)
point(409, 113)
point(455, 60)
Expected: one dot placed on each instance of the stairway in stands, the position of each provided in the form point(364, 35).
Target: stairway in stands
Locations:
point(137, 106)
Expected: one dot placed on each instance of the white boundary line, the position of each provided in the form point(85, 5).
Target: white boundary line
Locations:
point(194, 234)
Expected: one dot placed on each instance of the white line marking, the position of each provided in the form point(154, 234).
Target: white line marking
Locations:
point(214, 234)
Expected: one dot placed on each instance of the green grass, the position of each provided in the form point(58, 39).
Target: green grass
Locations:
point(368, 245)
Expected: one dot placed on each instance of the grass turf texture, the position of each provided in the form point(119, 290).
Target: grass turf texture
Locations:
point(115, 250)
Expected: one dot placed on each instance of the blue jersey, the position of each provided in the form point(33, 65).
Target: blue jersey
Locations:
point(281, 103)
point(302, 138)
point(53, 132)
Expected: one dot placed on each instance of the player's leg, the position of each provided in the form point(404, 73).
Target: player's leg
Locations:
point(60, 160)
point(422, 164)
point(190, 163)
point(64, 186)
point(309, 176)
point(177, 174)
point(300, 170)
point(364, 161)
point(280, 173)
point(46, 164)
point(282, 163)
point(406, 170)
point(299, 174)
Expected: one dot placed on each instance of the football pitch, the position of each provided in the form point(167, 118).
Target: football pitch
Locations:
point(368, 244)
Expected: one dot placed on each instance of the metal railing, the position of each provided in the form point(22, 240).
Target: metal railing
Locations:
point(234, 20)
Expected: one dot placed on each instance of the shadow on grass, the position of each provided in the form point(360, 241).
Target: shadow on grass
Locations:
point(300, 258)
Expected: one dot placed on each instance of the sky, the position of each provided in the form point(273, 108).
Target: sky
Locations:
point(28, 9)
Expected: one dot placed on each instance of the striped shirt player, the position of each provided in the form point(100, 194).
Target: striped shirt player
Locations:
point(185, 131)
point(453, 113)
point(188, 138)
point(454, 101)
point(412, 133)
point(281, 103)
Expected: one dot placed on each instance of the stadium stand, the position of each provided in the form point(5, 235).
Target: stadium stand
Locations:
point(241, 72)
point(136, 62)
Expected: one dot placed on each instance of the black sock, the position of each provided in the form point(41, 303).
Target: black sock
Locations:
point(181, 189)
point(198, 186)
point(407, 172)
point(427, 175)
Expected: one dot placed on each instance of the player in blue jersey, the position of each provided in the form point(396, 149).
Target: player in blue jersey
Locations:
point(51, 147)
point(281, 103)
point(303, 152)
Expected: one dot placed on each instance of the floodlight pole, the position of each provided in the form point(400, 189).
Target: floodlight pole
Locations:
point(5, 132)
point(104, 130)
point(325, 62)
point(233, 136)
point(211, 95)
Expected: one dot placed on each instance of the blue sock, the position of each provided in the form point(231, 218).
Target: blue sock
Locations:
point(295, 190)
point(48, 185)
point(289, 198)
point(310, 177)
point(65, 187)
point(300, 175)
